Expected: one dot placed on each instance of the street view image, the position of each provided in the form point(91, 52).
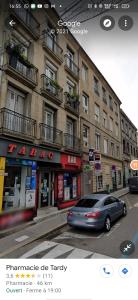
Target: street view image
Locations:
point(68, 129)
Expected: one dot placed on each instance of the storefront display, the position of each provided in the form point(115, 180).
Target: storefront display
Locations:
point(18, 184)
point(27, 175)
point(68, 182)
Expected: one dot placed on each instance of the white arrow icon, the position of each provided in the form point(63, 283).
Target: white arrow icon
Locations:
point(12, 23)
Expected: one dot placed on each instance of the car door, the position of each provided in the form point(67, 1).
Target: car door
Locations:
point(118, 207)
point(109, 208)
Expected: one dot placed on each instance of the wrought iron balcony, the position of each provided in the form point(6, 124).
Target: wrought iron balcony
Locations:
point(49, 43)
point(50, 135)
point(26, 18)
point(71, 66)
point(52, 89)
point(72, 103)
point(71, 142)
point(14, 123)
point(21, 68)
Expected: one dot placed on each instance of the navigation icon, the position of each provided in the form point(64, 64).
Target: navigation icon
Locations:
point(107, 23)
point(12, 23)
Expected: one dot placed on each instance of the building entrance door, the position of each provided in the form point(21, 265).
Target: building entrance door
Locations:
point(46, 195)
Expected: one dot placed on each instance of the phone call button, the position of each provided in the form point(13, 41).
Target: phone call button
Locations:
point(106, 271)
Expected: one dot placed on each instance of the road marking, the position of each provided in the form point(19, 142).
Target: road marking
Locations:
point(115, 227)
point(41, 247)
point(72, 235)
point(59, 250)
point(22, 238)
point(79, 253)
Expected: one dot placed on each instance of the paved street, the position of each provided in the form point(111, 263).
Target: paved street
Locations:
point(76, 243)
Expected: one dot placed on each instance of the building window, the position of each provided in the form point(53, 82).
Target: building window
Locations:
point(97, 141)
point(96, 86)
point(70, 87)
point(51, 71)
point(118, 151)
point(85, 135)
point(85, 103)
point(112, 149)
point(124, 146)
point(126, 128)
point(122, 124)
point(99, 182)
point(104, 95)
point(116, 109)
point(111, 124)
point(119, 177)
point(116, 129)
point(97, 113)
point(104, 119)
point(84, 72)
point(110, 102)
point(105, 146)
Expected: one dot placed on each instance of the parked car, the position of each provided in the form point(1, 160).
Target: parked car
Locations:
point(96, 211)
point(133, 184)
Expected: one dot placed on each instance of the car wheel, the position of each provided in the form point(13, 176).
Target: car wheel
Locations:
point(107, 224)
point(124, 210)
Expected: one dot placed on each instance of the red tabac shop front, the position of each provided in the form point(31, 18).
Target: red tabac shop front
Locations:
point(68, 181)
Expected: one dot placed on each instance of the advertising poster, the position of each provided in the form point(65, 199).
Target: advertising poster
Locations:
point(30, 198)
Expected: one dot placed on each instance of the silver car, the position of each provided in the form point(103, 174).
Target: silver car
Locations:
point(96, 211)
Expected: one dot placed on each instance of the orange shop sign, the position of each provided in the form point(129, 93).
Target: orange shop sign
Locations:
point(134, 165)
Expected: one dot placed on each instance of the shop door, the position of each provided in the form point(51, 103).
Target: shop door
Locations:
point(44, 190)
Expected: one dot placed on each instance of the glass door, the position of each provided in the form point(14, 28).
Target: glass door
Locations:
point(49, 119)
point(69, 133)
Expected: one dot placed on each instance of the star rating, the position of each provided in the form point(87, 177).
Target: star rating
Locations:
point(25, 275)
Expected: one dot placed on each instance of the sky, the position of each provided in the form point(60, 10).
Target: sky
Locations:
point(115, 53)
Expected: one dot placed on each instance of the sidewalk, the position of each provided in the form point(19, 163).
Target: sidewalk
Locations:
point(43, 227)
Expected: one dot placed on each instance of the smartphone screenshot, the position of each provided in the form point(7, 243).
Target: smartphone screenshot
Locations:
point(68, 149)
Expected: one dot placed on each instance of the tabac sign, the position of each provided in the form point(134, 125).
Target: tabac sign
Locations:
point(23, 151)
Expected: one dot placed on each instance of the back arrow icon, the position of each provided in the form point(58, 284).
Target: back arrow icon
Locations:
point(12, 23)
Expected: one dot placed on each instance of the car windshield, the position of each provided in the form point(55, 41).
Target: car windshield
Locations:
point(87, 203)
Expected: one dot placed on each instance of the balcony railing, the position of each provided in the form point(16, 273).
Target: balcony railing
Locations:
point(23, 67)
point(50, 86)
point(26, 17)
point(71, 142)
point(14, 122)
point(71, 65)
point(72, 102)
point(50, 134)
point(50, 43)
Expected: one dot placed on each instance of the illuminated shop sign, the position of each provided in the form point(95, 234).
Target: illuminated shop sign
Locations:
point(16, 150)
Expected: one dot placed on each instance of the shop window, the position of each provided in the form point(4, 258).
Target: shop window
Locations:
point(19, 186)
